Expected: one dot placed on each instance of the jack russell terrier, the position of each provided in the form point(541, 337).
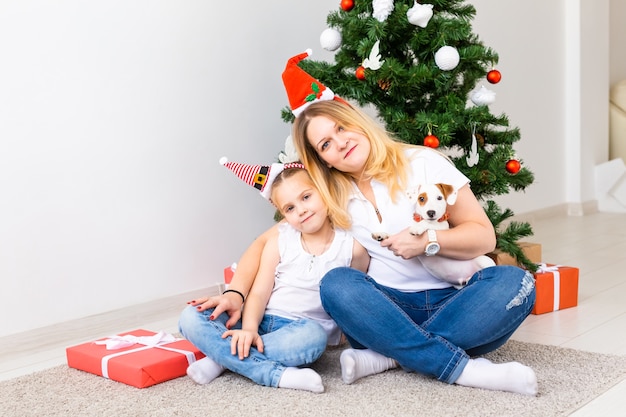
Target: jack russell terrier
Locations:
point(431, 214)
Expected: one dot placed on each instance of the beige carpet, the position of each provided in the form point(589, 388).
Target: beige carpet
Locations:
point(568, 379)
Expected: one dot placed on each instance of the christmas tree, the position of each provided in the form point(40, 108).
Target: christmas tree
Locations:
point(427, 75)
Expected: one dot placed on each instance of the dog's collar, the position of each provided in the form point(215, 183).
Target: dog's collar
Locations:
point(419, 218)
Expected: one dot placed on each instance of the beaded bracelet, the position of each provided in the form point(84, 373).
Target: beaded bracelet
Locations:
point(243, 299)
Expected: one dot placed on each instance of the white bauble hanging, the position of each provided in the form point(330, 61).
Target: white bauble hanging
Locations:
point(483, 97)
point(330, 39)
point(420, 14)
point(447, 58)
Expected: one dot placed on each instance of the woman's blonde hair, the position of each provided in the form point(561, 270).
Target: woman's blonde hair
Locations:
point(386, 163)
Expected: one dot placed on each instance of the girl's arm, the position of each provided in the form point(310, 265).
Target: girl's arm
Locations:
point(242, 281)
point(256, 302)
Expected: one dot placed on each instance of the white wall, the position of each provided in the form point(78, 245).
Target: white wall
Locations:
point(531, 50)
point(113, 115)
point(554, 88)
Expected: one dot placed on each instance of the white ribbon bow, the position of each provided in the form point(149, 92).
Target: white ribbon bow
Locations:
point(120, 342)
point(542, 267)
point(155, 341)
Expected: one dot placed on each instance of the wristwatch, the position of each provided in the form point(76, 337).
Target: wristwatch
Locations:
point(432, 248)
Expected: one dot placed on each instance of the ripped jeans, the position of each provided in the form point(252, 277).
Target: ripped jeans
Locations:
point(433, 332)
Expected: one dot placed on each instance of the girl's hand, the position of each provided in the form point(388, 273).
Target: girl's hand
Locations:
point(242, 340)
point(229, 303)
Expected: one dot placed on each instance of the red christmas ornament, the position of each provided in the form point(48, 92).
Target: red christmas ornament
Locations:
point(431, 141)
point(494, 76)
point(513, 166)
point(347, 5)
point(360, 73)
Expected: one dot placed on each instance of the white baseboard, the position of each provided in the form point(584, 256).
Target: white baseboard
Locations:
point(17, 347)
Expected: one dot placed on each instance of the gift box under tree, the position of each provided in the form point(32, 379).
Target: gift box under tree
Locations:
point(531, 250)
point(140, 358)
point(556, 288)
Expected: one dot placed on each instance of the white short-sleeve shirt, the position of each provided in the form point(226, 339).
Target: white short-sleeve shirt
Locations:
point(427, 166)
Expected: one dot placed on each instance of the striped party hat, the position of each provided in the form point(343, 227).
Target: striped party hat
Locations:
point(258, 176)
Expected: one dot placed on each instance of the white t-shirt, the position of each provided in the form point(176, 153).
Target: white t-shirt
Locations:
point(296, 292)
point(387, 269)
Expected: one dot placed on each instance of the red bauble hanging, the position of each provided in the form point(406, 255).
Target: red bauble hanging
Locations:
point(431, 141)
point(360, 73)
point(513, 166)
point(494, 76)
point(347, 5)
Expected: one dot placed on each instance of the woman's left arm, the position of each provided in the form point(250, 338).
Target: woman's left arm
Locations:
point(471, 233)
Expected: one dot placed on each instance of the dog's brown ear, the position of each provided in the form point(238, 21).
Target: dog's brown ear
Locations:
point(449, 193)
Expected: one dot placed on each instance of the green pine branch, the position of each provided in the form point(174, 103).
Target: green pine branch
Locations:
point(412, 94)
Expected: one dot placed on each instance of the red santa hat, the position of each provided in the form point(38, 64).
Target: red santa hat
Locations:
point(260, 177)
point(302, 88)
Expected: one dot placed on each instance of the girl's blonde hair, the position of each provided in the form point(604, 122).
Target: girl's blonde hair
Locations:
point(386, 163)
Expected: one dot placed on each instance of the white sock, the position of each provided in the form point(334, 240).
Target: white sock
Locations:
point(204, 370)
point(305, 379)
point(357, 363)
point(510, 376)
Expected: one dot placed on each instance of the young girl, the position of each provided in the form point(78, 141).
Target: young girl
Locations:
point(284, 325)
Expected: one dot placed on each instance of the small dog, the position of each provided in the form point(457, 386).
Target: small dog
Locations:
point(431, 207)
point(431, 212)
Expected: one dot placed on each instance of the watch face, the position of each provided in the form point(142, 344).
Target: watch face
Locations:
point(432, 249)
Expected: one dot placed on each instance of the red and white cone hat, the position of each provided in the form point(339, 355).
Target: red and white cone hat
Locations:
point(260, 177)
point(302, 89)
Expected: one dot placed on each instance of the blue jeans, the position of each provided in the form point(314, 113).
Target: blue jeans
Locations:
point(286, 343)
point(433, 332)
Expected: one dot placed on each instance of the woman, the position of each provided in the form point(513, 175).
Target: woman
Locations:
point(423, 323)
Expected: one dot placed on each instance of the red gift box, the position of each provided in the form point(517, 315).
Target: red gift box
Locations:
point(140, 358)
point(556, 287)
point(229, 272)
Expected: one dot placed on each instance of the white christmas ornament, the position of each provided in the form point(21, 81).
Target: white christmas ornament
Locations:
point(330, 39)
point(289, 154)
point(373, 62)
point(382, 9)
point(420, 14)
point(483, 96)
point(447, 58)
point(473, 157)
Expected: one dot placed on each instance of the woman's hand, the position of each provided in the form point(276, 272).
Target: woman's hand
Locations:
point(229, 303)
point(242, 340)
point(405, 245)
point(471, 233)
